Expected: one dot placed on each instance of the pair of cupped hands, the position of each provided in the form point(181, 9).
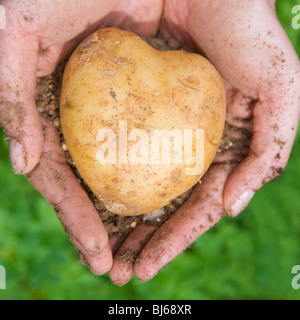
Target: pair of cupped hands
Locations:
point(243, 40)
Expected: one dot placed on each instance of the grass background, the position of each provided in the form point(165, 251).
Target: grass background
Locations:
point(249, 257)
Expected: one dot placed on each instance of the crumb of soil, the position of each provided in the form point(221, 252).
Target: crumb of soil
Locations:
point(47, 100)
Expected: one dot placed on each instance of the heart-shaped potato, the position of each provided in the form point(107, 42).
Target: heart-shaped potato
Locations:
point(141, 125)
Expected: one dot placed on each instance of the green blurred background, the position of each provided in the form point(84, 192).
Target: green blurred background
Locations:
point(249, 257)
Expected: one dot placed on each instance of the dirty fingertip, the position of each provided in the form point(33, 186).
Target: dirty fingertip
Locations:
point(144, 271)
point(98, 264)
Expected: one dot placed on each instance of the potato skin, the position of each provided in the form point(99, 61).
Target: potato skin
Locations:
point(114, 76)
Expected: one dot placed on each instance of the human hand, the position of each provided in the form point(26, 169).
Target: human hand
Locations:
point(261, 71)
point(38, 35)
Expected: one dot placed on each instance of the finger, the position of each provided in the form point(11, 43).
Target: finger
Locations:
point(99, 264)
point(237, 103)
point(239, 110)
point(274, 128)
point(114, 242)
point(48, 60)
point(272, 4)
point(230, 156)
point(202, 210)
point(54, 179)
point(18, 114)
point(50, 57)
point(122, 269)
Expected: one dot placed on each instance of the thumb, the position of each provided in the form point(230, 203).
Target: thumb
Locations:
point(18, 114)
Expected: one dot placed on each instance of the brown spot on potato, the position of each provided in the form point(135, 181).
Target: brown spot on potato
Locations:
point(113, 94)
point(175, 175)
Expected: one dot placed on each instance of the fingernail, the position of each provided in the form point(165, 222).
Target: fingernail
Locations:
point(17, 156)
point(96, 249)
point(241, 203)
